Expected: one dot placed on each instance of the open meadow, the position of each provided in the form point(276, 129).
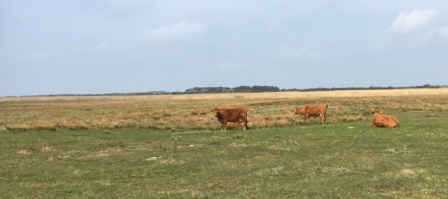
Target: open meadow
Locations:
point(171, 146)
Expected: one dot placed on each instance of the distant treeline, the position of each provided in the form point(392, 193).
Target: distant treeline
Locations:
point(239, 89)
point(276, 89)
point(365, 88)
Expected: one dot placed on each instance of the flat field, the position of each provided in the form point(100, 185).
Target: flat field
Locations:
point(172, 147)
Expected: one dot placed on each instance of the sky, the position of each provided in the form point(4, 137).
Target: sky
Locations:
point(124, 46)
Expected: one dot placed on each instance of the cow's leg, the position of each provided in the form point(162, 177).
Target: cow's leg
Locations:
point(244, 123)
point(224, 126)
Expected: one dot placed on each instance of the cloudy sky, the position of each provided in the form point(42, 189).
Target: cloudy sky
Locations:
point(107, 46)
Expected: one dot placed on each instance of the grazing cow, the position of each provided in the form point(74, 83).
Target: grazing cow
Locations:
point(380, 120)
point(231, 115)
point(312, 110)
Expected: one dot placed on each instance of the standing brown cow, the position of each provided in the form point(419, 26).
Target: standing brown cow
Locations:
point(231, 115)
point(312, 110)
point(380, 120)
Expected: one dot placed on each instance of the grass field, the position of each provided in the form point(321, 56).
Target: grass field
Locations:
point(173, 112)
point(151, 148)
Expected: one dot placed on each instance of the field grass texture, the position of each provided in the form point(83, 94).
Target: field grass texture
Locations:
point(171, 112)
point(337, 160)
point(172, 147)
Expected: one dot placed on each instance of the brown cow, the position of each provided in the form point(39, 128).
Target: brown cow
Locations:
point(231, 115)
point(380, 120)
point(312, 110)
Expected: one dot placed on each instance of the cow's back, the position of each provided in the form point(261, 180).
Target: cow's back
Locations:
point(234, 115)
point(380, 120)
point(395, 119)
point(316, 110)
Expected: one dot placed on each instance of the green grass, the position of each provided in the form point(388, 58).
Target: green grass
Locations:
point(340, 160)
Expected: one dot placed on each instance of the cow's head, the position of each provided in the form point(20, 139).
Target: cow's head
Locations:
point(299, 110)
point(215, 111)
point(379, 111)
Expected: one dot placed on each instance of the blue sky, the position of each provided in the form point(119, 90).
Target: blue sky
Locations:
point(96, 47)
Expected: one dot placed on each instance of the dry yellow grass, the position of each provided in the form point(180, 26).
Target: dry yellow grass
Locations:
point(194, 111)
point(265, 95)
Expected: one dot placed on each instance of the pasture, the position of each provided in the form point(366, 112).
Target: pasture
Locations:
point(172, 147)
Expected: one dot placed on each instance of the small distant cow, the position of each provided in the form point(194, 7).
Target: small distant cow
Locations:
point(312, 110)
point(380, 120)
point(231, 115)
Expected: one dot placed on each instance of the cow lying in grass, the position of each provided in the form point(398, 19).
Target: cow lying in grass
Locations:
point(312, 110)
point(380, 120)
point(231, 115)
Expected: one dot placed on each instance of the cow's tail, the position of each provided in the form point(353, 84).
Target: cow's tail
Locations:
point(245, 119)
point(325, 113)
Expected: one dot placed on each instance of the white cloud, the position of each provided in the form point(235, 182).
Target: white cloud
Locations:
point(413, 21)
point(305, 53)
point(444, 31)
point(180, 29)
point(102, 46)
point(229, 66)
point(274, 25)
point(41, 54)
